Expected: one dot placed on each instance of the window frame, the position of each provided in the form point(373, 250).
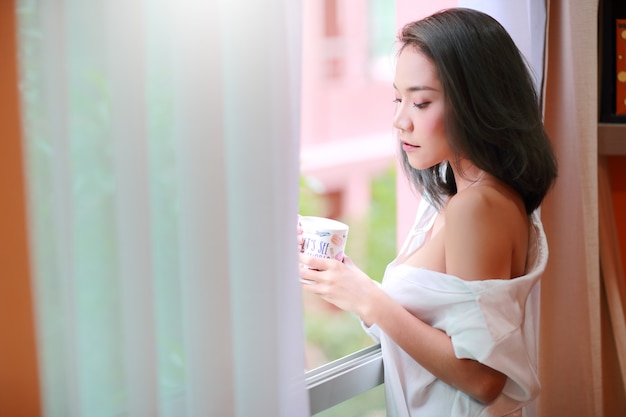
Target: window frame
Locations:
point(344, 378)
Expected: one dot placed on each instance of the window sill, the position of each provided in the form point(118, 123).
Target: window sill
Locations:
point(340, 380)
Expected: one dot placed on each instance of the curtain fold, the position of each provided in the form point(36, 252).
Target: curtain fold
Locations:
point(131, 176)
point(261, 166)
point(204, 234)
point(570, 351)
point(162, 154)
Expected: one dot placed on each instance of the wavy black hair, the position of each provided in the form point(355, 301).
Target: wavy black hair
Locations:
point(492, 113)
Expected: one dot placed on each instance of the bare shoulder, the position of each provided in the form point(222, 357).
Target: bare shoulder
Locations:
point(481, 203)
point(476, 214)
point(486, 233)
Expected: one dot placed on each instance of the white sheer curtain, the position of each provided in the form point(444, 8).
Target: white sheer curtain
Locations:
point(525, 20)
point(162, 143)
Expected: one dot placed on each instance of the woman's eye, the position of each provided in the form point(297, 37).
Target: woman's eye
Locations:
point(421, 105)
point(397, 100)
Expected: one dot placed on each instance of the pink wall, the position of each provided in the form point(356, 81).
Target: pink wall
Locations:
point(352, 103)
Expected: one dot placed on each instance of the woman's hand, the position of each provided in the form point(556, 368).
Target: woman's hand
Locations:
point(340, 283)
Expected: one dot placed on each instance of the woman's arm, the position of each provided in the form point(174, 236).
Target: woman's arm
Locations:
point(432, 349)
point(350, 289)
point(480, 232)
point(479, 240)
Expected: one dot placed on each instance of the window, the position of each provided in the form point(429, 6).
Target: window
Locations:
point(347, 155)
point(348, 173)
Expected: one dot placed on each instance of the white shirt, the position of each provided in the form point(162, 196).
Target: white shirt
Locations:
point(494, 322)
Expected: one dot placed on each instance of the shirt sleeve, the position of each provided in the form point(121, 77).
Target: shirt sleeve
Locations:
point(373, 331)
point(503, 324)
point(492, 332)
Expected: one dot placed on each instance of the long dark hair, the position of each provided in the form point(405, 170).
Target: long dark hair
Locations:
point(492, 112)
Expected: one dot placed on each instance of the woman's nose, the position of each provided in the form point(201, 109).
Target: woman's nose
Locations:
point(401, 121)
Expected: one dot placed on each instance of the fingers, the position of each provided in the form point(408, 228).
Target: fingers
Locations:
point(318, 264)
point(308, 275)
point(312, 269)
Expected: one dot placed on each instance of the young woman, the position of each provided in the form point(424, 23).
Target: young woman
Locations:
point(456, 314)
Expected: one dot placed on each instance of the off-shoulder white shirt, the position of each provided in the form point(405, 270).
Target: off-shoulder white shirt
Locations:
point(494, 322)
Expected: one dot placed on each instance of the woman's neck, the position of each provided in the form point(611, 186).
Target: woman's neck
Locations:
point(466, 174)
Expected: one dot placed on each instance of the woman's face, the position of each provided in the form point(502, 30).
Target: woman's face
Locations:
point(419, 111)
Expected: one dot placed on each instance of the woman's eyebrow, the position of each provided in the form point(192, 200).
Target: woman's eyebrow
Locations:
point(416, 88)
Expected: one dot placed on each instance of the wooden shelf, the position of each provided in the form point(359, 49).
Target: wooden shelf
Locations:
point(612, 138)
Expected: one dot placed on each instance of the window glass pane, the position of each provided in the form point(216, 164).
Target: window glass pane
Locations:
point(332, 333)
point(382, 29)
point(347, 150)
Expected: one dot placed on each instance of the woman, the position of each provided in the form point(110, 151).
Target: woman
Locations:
point(455, 312)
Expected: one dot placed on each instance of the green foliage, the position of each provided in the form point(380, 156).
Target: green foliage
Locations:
point(336, 333)
point(381, 244)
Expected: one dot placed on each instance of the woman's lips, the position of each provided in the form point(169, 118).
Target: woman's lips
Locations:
point(407, 147)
